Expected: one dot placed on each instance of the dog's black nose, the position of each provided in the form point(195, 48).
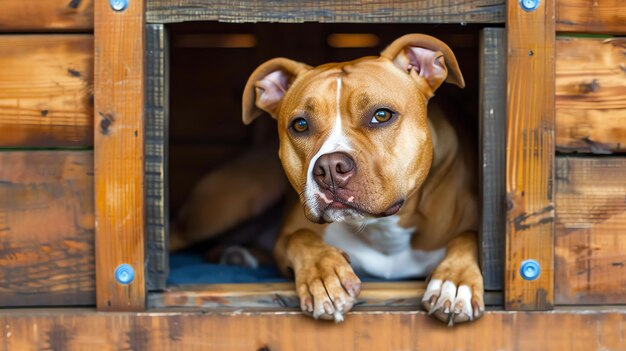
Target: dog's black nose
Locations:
point(333, 170)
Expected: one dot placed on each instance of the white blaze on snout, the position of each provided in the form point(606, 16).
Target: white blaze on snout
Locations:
point(335, 141)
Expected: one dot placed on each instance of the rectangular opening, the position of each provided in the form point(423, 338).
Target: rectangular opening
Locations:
point(227, 198)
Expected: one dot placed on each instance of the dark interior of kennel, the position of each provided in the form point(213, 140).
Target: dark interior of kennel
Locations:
point(209, 65)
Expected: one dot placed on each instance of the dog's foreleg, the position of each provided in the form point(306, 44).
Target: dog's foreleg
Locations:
point(325, 282)
point(455, 291)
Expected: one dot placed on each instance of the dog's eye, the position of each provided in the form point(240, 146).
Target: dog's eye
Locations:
point(300, 125)
point(381, 115)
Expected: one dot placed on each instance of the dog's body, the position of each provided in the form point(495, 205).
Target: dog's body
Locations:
point(383, 186)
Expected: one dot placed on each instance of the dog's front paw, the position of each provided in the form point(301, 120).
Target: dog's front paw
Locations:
point(327, 286)
point(454, 300)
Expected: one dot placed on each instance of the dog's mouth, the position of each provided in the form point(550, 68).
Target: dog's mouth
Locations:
point(335, 203)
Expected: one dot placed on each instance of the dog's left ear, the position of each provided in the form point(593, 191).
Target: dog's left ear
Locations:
point(428, 57)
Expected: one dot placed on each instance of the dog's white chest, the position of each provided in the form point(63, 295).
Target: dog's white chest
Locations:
point(382, 249)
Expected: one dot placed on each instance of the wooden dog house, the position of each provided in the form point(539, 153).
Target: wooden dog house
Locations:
point(84, 123)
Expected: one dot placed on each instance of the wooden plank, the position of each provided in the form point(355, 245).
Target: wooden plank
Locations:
point(492, 147)
point(46, 228)
point(156, 149)
point(530, 155)
point(46, 84)
point(590, 91)
point(292, 11)
point(46, 15)
point(283, 295)
point(591, 16)
point(119, 154)
point(72, 330)
point(590, 238)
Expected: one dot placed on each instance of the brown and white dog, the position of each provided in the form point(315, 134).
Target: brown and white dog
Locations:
point(386, 188)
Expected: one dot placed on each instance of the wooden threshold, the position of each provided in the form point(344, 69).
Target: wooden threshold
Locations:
point(86, 329)
point(283, 295)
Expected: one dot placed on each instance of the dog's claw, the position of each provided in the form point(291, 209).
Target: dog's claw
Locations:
point(433, 310)
point(446, 307)
point(451, 320)
point(478, 311)
point(433, 300)
point(328, 308)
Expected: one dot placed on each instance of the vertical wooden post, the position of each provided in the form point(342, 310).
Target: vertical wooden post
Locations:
point(119, 153)
point(492, 145)
point(530, 154)
point(157, 128)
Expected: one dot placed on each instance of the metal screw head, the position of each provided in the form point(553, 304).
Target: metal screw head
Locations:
point(124, 274)
point(530, 270)
point(529, 5)
point(118, 5)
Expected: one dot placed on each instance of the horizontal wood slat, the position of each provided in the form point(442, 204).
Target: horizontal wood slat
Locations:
point(591, 16)
point(46, 15)
point(591, 236)
point(283, 295)
point(72, 330)
point(46, 228)
point(385, 11)
point(46, 90)
point(591, 95)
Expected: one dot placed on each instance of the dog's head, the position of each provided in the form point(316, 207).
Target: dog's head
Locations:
point(354, 136)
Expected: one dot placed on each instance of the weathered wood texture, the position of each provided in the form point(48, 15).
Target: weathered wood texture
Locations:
point(46, 84)
point(386, 11)
point(591, 16)
point(530, 155)
point(74, 330)
point(119, 154)
point(591, 236)
point(492, 151)
point(591, 95)
point(283, 295)
point(46, 15)
point(46, 228)
point(156, 149)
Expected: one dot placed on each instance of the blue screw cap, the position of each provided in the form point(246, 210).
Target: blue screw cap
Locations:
point(529, 5)
point(118, 5)
point(124, 274)
point(530, 270)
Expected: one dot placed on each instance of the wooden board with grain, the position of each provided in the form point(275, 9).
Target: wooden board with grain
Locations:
point(591, 95)
point(46, 90)
point(119, 154)
point(46, 228)
point(492, 146)
point(73, 330)
point(46, 15)
point(382, 295)
point(591, 16)
point(530, 155)
point(590, 237)
point(156, 157)
point(292, 11)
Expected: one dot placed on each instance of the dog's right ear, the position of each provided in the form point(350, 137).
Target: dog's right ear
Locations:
point(267, 86)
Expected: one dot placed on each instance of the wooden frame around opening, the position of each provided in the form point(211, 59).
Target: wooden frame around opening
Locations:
point(114, 118)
